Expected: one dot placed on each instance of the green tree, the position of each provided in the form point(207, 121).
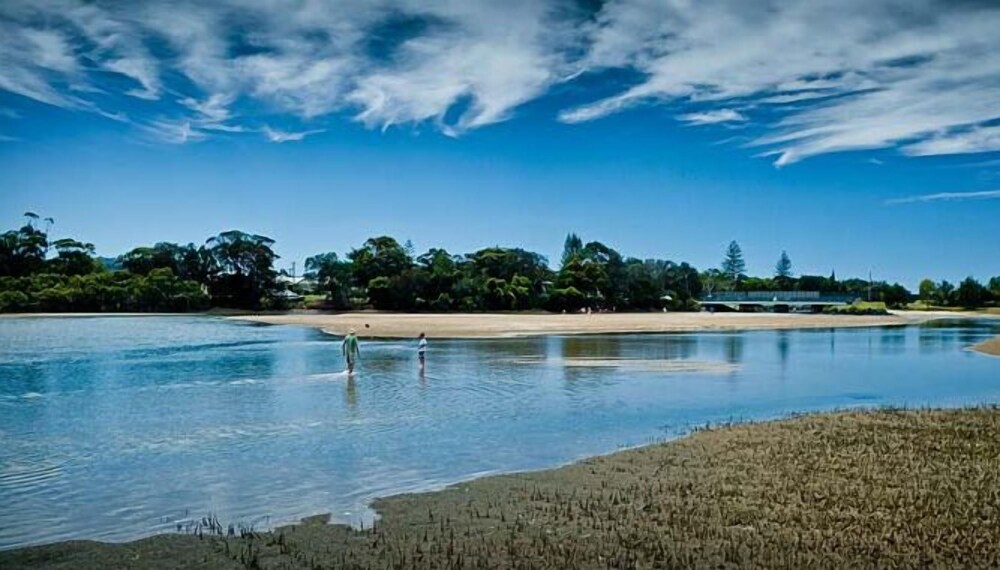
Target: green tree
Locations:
point(681, 281)
point(571, 248)
point(333, 277)
point(927, 291)
point(895, 296)
point(14, 301)
point(505, 263)
point(733, 267)
point(506, 278)
point(567, 299)
point(23, 251)
point(379, 257)
point(443, 272)
point(945, 292)
point(586, 277)
point(610, 288)
point(762, 283)
point(713, 281)
point(186, 262)
point(994, 287)
point(245, 264)
point(643, 288)
point(971, 294)
point(73, 258)
point(827, 284)
point(783, 269)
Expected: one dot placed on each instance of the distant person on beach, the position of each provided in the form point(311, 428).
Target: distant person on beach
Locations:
point(352, 352)
point(422, 351)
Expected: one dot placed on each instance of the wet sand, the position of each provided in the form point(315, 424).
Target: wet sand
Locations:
point(400, 325)
point(991, 347)
point(889, 488)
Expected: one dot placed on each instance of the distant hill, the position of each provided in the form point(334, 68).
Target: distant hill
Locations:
point(110, 263)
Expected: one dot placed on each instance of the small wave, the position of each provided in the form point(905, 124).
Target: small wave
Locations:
point(246, 382)
point(32, 395)
point(326, 375)
point(185, 385)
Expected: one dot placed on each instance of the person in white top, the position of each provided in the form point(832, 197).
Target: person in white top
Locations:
point(422, 351)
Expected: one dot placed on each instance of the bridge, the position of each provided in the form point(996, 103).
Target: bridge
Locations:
point(777, 301)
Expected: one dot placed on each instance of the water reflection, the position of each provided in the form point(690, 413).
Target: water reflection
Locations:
point(734, 348)
point(351, 393)
point(892, 340)
point(114, 428)
point(783, 346)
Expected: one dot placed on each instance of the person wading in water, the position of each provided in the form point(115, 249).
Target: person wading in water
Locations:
point(352, 352)
point(422, 352)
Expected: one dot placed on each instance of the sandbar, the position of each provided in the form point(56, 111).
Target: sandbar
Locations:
point(991, 347)
point(501, 325)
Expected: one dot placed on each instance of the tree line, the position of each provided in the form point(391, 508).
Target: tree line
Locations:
point(37, 273)
point(236, 269)
point(385, 274)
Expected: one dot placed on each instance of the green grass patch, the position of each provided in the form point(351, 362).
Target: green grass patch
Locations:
point(859, 308)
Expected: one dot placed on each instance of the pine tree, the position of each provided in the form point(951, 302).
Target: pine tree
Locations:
point(733, 266)
point(783, 269)
point(572, 248)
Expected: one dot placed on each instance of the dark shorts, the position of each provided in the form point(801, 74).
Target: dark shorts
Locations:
point(421, 356)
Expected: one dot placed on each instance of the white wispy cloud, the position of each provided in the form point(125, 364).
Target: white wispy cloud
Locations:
point(305, 58)
point(278, 136)
point(966, 141)
point(854, 74)
point(948, 197)
point(173, 131)
point(713, 117)
point(815, 76)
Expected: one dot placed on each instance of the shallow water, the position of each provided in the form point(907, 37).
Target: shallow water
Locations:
point(116, 428)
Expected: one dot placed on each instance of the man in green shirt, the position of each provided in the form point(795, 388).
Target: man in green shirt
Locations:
point(351, 350)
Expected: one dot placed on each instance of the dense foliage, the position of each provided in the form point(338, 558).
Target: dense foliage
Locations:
point(236, 269)
point(232, 269)
point(382, 273)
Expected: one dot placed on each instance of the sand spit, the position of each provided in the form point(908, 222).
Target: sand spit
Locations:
point(397, 325)
point(899, 489)
point(991, 347)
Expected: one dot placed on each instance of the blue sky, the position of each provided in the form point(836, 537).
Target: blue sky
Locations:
point(852, 134)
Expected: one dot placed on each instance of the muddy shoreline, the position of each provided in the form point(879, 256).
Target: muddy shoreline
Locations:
point(887, 487)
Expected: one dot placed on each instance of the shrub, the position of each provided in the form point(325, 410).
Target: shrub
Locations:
point(13, 301)
point(861, 308)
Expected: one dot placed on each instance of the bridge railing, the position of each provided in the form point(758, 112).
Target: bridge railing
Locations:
point(776, 297)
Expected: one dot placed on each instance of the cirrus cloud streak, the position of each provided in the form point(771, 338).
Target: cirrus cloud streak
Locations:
point(948, 197)
point(811, 76)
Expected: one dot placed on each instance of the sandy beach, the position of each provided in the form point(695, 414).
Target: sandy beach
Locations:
point(818, 491)
point(396, 325)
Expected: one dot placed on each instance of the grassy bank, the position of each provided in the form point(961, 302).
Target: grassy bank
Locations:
point(861, 489)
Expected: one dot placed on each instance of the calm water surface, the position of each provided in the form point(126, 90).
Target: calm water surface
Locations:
point(115, 428)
